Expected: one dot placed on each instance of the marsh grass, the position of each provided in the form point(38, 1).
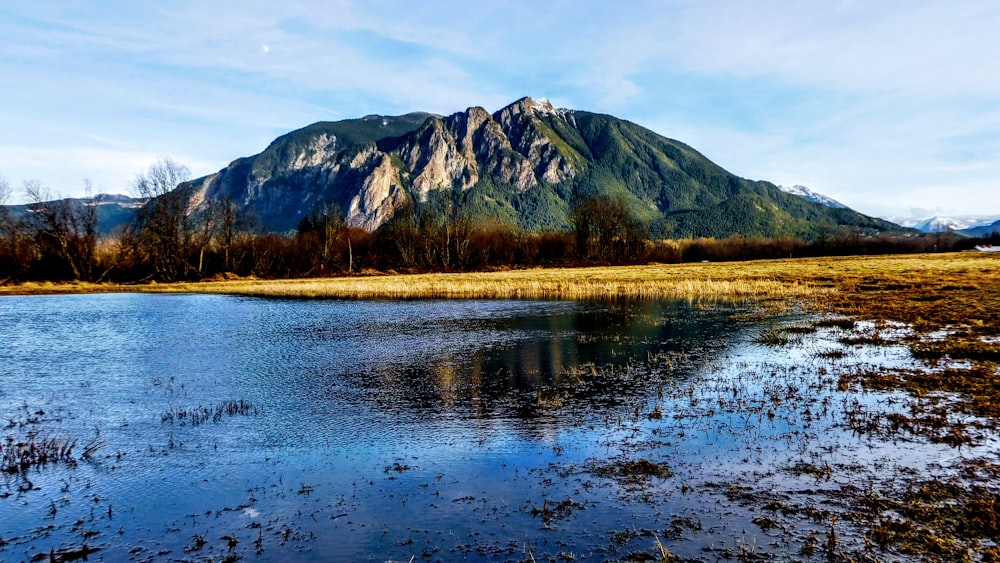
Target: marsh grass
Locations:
point(199, 415)
point(957, 348)
point(975, 389)
point(847, 285)
point(650, 282)
point(19, 455)
point(927, 292)
point(783, 336)
point(842, 323)
point(950, 309)
point(938, 518)
point(773, 337)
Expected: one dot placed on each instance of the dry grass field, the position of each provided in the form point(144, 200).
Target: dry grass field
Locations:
point(838, 281)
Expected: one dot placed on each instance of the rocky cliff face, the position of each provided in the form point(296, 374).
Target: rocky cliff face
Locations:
point(371, 176)
point(380, 196)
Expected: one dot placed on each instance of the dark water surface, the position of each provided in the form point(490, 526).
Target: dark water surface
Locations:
point(381, 429)
point(259, 429)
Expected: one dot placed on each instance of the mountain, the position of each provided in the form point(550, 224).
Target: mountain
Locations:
point(525, 165)
point(812, 196)
point(982, 230)
point(938, 224)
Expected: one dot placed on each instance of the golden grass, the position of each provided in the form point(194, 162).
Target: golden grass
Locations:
point(571, 284)
point(840, 283)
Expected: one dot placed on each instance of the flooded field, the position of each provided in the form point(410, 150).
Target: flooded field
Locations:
point(199, 427)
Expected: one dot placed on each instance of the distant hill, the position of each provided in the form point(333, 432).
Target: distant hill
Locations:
point(114, 211)
point(982, 230)
point(961, 224)
point(525, 165)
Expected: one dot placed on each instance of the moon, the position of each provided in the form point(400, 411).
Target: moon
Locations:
point(265, 48)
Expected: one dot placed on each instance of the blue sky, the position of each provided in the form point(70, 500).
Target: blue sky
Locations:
point(892, 107)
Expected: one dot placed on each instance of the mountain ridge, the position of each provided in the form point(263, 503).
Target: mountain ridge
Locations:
point(526, 164)
point(965, 224)
point(983, 230)
point(114, 211)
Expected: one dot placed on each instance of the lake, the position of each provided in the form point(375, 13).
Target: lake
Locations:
point(226, 428)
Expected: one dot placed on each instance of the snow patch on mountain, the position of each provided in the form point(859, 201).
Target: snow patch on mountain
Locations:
point(812, 196)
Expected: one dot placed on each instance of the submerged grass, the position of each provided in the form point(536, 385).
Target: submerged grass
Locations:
point(937, 519)
point(20, 455)
point(199, 415)
point(947, 312)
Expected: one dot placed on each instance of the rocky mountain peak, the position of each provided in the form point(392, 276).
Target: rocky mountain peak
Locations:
point(530, 105)
point(527, 107)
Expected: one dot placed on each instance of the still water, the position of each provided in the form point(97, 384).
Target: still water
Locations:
point(381, 429)
point(256, 429)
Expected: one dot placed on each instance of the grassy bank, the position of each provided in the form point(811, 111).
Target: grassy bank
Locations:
point(851, 279)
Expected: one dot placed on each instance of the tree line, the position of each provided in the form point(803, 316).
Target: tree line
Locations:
point(58, 240)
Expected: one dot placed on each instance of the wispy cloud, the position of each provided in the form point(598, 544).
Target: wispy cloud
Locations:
point(884, 105)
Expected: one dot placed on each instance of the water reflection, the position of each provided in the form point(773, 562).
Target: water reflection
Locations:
point(487, 359)
point(448, 393)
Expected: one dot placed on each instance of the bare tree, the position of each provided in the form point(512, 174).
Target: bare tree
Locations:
point(64, 228)
point(227, 232)
point(162, 232)
point(5, 193)
point(402, 235)
point(203, 232)
point(5, 216)
point(9, 264)
point(326, 240)
point(607, 231)
point(334, 229)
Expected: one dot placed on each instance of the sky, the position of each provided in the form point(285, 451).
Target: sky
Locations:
point(891, 107)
